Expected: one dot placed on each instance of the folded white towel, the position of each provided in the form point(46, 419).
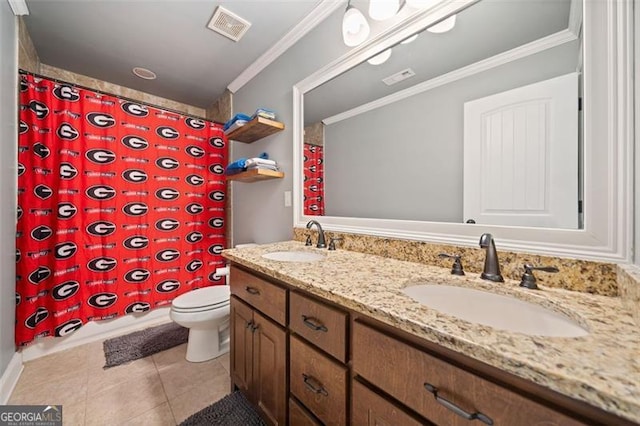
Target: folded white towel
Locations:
point(259, 161)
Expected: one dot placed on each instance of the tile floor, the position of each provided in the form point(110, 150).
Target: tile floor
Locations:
point(162, 389)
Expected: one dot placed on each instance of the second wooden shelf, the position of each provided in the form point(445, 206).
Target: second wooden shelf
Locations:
point(255, 175)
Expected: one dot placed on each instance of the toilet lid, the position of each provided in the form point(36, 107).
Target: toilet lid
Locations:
point(202, 297)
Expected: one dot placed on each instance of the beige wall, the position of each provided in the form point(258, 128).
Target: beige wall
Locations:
point(222, 109)
point(314, 134)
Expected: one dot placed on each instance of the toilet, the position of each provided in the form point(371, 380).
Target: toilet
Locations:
point(205, 312)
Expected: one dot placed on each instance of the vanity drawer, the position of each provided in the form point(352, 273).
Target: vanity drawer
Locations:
point(266, 297)
point(407, 372)
point(320, 324)
point(318, 382)
point(299, 416)
point(371, 409)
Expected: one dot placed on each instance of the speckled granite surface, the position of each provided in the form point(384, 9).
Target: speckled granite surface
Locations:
point(602, 369)
point(629, 283)
point(577, 275)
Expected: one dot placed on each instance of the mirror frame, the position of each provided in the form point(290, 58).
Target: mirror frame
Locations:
point(607, 157)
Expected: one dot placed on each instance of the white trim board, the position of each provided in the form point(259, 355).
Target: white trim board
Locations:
point(95, 331)
point(514, 54)
point(309, 22)
point(10, 377)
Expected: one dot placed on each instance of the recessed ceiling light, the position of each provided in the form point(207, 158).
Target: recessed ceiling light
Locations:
point(144, 73)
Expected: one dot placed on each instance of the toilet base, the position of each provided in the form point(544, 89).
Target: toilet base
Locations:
point(206, 344)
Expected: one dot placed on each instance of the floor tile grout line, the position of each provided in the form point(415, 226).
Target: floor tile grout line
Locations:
point(164, 390)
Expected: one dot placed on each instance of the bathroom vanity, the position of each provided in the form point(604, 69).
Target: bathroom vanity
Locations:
point(336, 341)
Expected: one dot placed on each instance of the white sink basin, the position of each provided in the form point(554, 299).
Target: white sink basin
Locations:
point(294, 256)
point(495, 310)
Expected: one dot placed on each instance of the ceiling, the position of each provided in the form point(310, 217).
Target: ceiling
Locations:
point(105, 39)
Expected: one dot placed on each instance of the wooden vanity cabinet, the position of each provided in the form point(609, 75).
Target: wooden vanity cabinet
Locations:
point(259, 345)
point(305, 361)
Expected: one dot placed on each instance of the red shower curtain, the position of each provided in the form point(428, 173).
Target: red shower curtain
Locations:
point(121, 207)
point(313, 186)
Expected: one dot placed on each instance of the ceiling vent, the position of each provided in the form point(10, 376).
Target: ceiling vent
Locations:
point(228, 24)
point(398, 77)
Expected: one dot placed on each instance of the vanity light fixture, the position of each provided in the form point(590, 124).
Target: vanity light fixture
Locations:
point(380, 58)
point(381, 10)
point(443, 26)
point(355, 28)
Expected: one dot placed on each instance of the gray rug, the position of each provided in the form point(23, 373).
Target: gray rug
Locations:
point(232, 410)
point(140, 344)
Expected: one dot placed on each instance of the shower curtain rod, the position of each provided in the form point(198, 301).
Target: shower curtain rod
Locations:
point(124, 98)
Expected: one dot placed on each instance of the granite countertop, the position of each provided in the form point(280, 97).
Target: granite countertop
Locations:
point(602, 368)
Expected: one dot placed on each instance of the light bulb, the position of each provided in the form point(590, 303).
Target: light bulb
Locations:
point(380, 58)
point(443, 26)
point(422, 4)
point(380, 10)
point(410, 39)
point(355, 28)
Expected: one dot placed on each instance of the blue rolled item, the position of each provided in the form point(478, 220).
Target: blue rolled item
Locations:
point(238, 116)
point(236, 167)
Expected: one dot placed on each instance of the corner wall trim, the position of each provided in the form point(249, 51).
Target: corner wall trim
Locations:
point(309, 22)
point(10, 377)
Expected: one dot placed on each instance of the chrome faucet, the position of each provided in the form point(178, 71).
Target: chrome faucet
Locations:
point(321, 241)
point(491, 270)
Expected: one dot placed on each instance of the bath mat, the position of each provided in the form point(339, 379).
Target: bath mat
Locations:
point(232, 410)
point(140, 344)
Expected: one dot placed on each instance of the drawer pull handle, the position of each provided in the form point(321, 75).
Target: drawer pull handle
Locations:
point(456, 409)
point(252, 290)
point(314, 385)
point(313, 324)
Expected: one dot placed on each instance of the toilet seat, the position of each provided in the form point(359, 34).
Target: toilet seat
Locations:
point(202, 299)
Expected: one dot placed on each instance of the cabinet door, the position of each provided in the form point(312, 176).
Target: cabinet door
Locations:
point(270, 369)
point(241, 345)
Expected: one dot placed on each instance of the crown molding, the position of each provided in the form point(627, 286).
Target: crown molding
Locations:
point(309, 22)
point(514, 54)
point(19, 7)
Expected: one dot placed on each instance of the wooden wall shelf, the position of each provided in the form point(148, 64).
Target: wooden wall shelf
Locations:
point(255, 175)
point(255, 129)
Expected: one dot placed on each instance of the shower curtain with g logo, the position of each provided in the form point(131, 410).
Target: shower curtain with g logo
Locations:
point(121, 207)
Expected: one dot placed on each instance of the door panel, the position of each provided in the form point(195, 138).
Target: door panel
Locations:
point(269, 369)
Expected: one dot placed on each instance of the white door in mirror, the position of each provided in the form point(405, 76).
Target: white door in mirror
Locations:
point(520, 156)
point(495, 310)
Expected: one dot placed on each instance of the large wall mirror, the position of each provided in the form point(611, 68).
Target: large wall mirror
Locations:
point(443, 135)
